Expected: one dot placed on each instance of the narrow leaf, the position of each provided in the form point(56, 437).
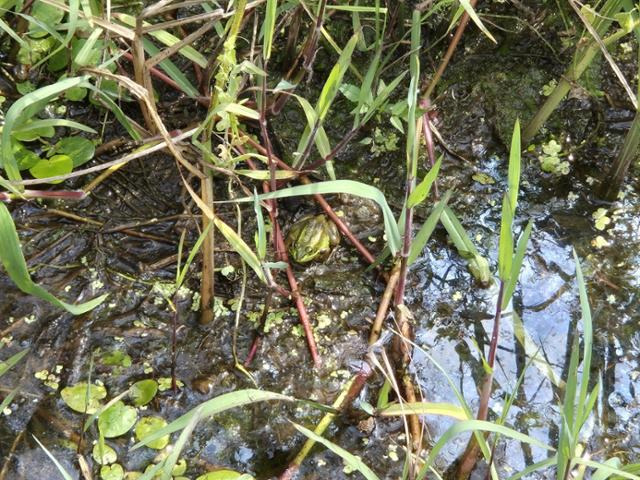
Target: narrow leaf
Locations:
point(16, 267)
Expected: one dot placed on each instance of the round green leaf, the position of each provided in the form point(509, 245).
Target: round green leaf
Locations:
point(148, 425)
point(80, 149)
point(56, 165)
point(104, 455)
point(142, 392)
point(46, 14)
point(112, 472)
point(75, 94)
point(221, 475)
point(25, 157)
point(117, 420)
point(58, 60)
point(82, 395)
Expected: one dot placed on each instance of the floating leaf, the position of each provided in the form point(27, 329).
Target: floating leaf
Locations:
point(52, 167)
point(104, 454)
point(83, 398)
point(148, 425)
point(117, 420)
point(142, 392)
point(24, 157)
point(112, 472)
point(47, 14)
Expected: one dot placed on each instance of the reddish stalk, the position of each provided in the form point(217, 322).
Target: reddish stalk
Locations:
point(469, 458)
point(450, 50)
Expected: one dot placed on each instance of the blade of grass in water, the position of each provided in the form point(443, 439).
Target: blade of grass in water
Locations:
point(16, 267)
point(11, 361)
point(213, 406)
point(348, 458)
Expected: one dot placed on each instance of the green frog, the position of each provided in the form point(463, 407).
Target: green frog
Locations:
point(312, 238)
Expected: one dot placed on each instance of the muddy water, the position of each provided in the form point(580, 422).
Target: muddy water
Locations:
point(453, 316)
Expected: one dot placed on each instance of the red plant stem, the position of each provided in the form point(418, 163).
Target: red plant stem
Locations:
point(29, 194)
point(452, 48)
point(281, 254)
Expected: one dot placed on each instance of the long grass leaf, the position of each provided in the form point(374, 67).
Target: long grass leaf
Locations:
point(587, 326)
point(343, 186)
point(505, 248)
point(476, 426)
point(349, 459)
point(53, 122)
point(211, 407)
point(271, 12)
point(172, 458)
point(171, 69)
point(16, 267)
point(605, 468)
point(192, 255)
point(66, 475)
point(239, 245)
point(514, 167)
point(474, 16)
point(424, 408)
point(516, 264)
point(421, 192)
point(423, 235)
point(11, 361)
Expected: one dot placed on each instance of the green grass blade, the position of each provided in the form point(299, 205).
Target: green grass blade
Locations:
point(423, 235)
point(8, 399)
point(66, 475)
point(587, 326)
point(567, 432)
point(474, 16)
point(382, 96)
point(16, 267)
point(348, 458)
point(343, 186)
point(261, 234)
point(514, 167)
point(271, 12)
point(458, 234)
point(532, 468)
point(53, 122)
point(421, 192)
point(172, 459)
point(171, 69)
point(25, 108)
point(603, 467)
point(424, 408)
point(11, 361)
point(518, 258)
point(211, 407)
point(505, 252)
point(9, 31)
point(192, 255)
point(239, 245)
point(476, 426)
point(83, 57)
